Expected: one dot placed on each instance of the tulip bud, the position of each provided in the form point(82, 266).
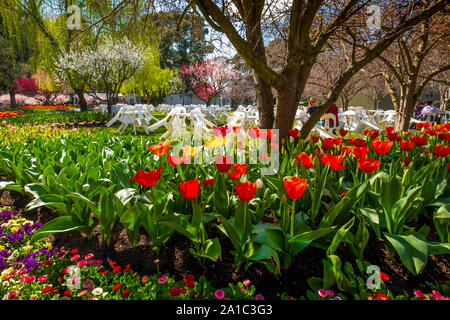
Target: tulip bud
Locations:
point(283, 199)
point(406, 180)
point(259, 184)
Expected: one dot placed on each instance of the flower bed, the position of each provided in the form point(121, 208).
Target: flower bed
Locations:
point(339, 196)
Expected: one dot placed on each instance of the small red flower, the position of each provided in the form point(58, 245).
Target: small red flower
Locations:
point(208, 182)
point(406, 161)
point(384, 277)
point(190, 278)
point(190, 285)
point(381, 296)
point(67, 293)
point(343, 132)
point(116, 269)
point(175, 292)
point(116, 286)
point(47, 289)
point(74, 251)
point(125, 293)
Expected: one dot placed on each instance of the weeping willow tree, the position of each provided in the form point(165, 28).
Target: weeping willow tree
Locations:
point(47, 22)
point(151, 82)
point(18, 44)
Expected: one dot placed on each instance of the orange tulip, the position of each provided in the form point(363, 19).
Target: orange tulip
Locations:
point(294, 187)
point(368, 165)
point(160, 148)
point(381, 147)
point(246, 190)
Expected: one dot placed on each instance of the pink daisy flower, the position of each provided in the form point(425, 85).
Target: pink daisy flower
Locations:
point(220, 294)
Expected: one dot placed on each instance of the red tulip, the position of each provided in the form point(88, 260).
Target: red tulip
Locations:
point(441, 151)
point(381, 147)
point(327, 143)
point(294, 133)
point(431, 132)
point(406, 161)
point(253, 133)
point(393, 136)
point(314, 139)
point(374, 134)
point(343, 132)
point(423, 125)
point(295, 187)
point(333, 161)
point(444, 136)
point(189, 189)
point(220, 131)
point(245, 190)
point(389, 129)
point(406, 145)
point(418, 140)
point(360, 143)
point(223, 163)
point(337, 141)
point(304, 159)
point(147, 179)
point(234, 175)
point(360, 153)
point(368, 165)
point(208, 182)
point(240, 168)
point(345, 150)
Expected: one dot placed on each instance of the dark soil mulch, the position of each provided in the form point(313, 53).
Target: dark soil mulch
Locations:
point(175, 259)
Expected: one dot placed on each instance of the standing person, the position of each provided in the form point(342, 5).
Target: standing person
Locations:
point(334, 111)
point(312, 106)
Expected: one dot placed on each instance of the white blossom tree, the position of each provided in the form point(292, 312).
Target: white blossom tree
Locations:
point(104, 68)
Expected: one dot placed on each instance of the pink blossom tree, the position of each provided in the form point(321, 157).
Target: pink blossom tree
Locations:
point(29, 87)
point(208, 78)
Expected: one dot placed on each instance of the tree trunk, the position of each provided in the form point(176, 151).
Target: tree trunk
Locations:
point(344, 100)
point(109, 104)
point(81, 99)
point(286, 109)
point(404, 113)
point(264, 100)
point(12, 98)
point(264, 97)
